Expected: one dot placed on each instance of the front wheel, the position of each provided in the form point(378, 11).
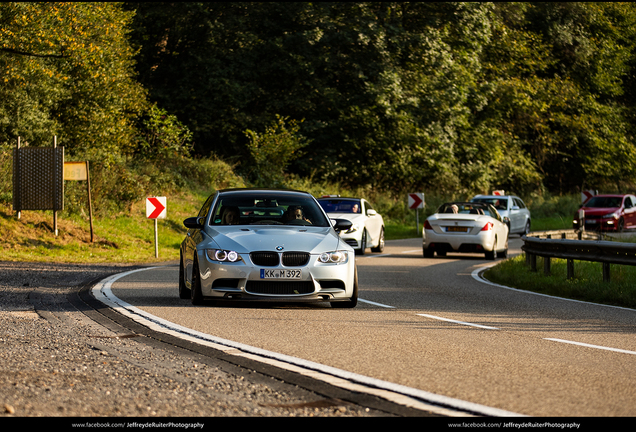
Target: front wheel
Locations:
point(380, 246)
point(621, 225)
point(363, 243)
point(184, 292)
point(196, 297)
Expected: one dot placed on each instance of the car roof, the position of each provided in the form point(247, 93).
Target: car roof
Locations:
point(259, 190)
point(339, 198)
point(495, 196)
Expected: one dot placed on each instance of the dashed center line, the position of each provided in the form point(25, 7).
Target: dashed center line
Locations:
point(458, 322)
point(592, 346)
point(476, 276)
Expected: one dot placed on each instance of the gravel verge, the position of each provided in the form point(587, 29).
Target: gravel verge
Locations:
point(56, 362)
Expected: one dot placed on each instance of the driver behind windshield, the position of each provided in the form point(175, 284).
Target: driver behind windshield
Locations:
point(294, 212)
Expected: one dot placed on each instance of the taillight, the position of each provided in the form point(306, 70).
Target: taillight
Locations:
point(487, 227)
point(427, 225)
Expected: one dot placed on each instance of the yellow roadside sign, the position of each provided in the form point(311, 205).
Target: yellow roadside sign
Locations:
point(75, 171)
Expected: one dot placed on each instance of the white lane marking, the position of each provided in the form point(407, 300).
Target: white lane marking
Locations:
point(458, 322)
point(592, 346)
point(404, 395)
point(376, 304)
point(388, 254)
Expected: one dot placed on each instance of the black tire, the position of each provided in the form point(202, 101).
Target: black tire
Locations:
point(621, 225)
point(184, 292)
point(363, 244)
point(380, 246)
point(195, 291)
point(504, 253)
point(526, 230)
point(353, 301)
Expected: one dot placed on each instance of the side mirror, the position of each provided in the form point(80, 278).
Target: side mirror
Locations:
point(371, 212)
point(193, 223)
point(341, 224)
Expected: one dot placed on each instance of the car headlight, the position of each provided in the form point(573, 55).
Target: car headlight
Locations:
point(223, 255)
point(611, 216)
point(353, 229)
point(333, 257)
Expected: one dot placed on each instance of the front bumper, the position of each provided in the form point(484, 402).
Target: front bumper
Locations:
point(597, 224)
point(243, 280)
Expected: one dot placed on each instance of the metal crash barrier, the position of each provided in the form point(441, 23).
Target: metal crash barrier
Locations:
point(605, 252)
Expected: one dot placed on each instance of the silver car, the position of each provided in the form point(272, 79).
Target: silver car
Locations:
point(266, 245)
point(512, 209)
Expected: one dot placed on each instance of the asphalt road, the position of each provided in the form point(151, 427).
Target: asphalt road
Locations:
point(431, 325)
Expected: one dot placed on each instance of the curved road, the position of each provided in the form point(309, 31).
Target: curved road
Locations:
point(434, 326)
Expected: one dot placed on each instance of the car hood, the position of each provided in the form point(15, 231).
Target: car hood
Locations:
point(353, 217)
point(268, 238)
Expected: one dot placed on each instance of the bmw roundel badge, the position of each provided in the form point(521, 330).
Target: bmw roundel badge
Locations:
point(279, 248)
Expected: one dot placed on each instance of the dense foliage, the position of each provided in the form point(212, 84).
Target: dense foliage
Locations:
point(450, 98)
point(456, 97)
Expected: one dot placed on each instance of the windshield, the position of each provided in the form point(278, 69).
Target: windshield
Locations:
point(341, 205)
point(267, 208)
point(498, 203)
point(472, 208)
point(604, 202)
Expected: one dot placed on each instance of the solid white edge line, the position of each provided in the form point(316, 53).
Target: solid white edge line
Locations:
point(102, 291)
point(458, 322)
point(477, 275)
point(591, 346)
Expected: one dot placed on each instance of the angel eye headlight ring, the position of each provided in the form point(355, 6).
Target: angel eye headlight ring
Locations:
point(333, 257)
point(223, 255)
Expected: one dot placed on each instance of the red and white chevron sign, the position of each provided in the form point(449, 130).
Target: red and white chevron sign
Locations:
point(416, 200)
point(156, 207)
point(586, 195)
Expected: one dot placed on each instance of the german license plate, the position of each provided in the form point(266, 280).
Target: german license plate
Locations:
point(280, 274)
point(456, 229)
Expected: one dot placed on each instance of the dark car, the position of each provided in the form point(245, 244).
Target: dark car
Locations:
point(608, 213)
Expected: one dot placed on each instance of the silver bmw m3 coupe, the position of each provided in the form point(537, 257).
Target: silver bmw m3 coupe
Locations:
point(266, 245)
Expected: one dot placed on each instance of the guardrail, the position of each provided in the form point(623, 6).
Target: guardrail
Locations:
point(605, 252)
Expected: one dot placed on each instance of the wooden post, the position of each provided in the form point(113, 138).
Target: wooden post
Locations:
point(90, 206)
point(606, 272)
point(570, 266)
point(18, 167)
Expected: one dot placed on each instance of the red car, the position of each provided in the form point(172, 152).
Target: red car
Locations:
point(608, 213)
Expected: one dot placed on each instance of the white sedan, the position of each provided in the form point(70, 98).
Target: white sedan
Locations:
point(465, 227)
point(367, 229)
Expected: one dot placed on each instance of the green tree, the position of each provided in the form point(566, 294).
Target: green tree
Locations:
point(68, 71)
point(273, 150)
